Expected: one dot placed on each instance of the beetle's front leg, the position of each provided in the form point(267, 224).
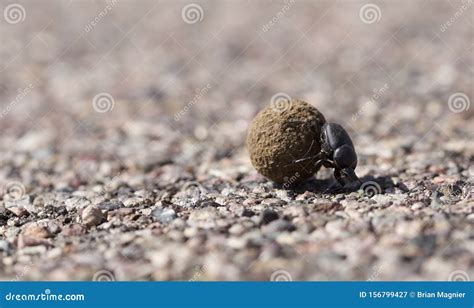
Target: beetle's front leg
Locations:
point(318, 156)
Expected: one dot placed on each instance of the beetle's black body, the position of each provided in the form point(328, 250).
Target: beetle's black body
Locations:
point(337, 151)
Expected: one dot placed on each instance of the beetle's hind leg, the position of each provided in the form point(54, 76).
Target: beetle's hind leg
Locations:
point(338, 176)
point(329, 164)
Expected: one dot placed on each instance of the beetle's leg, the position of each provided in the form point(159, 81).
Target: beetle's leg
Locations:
point(350, 177)
point(333, 188)
point(337, 175)
point(310, 147)
point(304, 155)
point(318, 156)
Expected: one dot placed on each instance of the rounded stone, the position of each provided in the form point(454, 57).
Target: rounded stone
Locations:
point(281, 134)
point(92, 216)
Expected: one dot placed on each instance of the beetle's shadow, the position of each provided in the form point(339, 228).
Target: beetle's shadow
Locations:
point(317, 186)
point(385, 183)
point(331, 186)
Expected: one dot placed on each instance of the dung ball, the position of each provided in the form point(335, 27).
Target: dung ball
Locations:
point(281, 134)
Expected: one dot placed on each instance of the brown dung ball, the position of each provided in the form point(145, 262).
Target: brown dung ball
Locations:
point(281, 134)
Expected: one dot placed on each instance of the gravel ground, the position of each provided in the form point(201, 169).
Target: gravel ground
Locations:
point(123, 128)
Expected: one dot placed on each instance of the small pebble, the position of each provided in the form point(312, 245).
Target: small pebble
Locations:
point(74, 230)
point(110, 205)
point(19, 211)
point(164, 215)
point(247, 213)
point(36, 230)
point(5, 246)
point(92, 216)
point(278, 225)
point(268, 216)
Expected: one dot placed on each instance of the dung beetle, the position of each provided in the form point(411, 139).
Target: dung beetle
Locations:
point(337, 151)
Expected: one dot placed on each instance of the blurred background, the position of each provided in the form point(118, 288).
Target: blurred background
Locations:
point(141, 108)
